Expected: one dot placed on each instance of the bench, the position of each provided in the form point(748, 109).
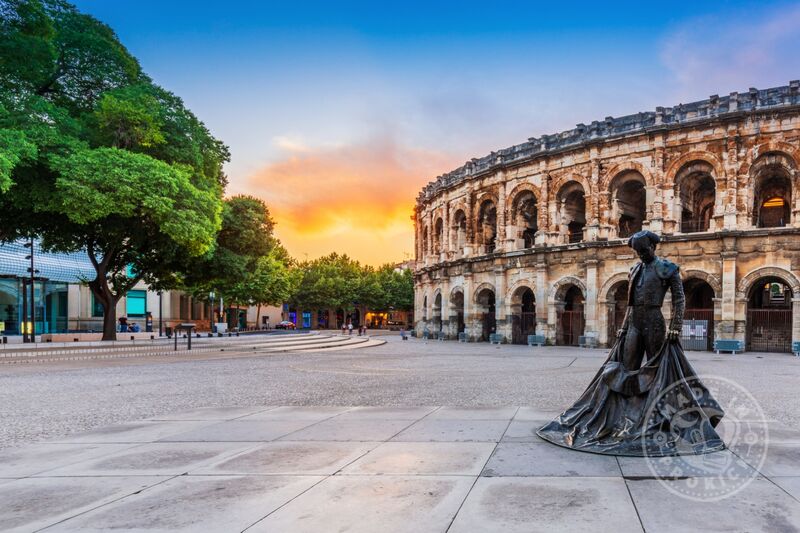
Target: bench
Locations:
point(536, 340)
point(796, 348)
point(462, 337)
point(495, 338)
point(587, 341)
point(728, 345)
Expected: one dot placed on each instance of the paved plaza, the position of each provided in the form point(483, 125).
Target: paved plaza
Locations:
point(405, 436)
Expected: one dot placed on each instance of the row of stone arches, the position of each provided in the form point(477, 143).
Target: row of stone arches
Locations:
point(624, 202)
point(770, 294)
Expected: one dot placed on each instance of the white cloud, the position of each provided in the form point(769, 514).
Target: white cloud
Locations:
point(717, 54)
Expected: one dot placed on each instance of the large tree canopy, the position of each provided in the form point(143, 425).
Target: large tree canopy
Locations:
point(95, 157)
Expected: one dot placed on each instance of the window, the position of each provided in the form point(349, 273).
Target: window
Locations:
point(97, 307)
point(136, 303)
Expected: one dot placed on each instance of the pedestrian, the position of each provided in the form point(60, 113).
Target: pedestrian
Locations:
point(344, 328)
point(349, 328)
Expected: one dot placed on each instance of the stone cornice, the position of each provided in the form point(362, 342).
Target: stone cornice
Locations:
point(731, 107)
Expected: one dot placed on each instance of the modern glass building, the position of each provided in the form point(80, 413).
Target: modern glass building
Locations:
point(55, 273)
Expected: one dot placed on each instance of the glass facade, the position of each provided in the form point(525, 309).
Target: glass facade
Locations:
point(50, 306)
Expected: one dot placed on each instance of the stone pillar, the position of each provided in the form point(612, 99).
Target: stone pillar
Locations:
point(469, 241)
point(590, 306)
point(444, 311)
point(503, 320)
point(796, 317)
point(500, 234)
point(445, 255)
point(469, 307)
point(542, 303)
point(604, 308)
point(729, 305)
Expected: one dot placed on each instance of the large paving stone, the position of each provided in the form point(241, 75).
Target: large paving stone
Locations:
point(157, 459)
point(36, 458)
point(34, 503)
point(299, 412)
point(547, 504)
point(523, 431)
point(350, 430)
point(134, 432)
point(356, 504)
point(759, 506)
point(545, 459)
point(465, 430)
point(790, 485)
point(433, 458)
point(534, 414)
point(195, 503)
point(718, 464)
point(299, 458)
point(386, 413)
point(474, 413)
point(781, 460)
point(243, 430)
point(213, 413)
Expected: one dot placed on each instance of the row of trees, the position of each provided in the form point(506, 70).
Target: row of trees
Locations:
point(97, 158)
point(336, 281)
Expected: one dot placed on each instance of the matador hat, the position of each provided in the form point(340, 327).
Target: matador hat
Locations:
point(646, 234)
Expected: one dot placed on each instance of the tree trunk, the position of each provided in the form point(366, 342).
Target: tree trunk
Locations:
point(110, 322)
point(258, 316)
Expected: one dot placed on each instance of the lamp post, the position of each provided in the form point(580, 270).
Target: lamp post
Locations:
point(160, 313)
point(211, 299)
point(33, 272)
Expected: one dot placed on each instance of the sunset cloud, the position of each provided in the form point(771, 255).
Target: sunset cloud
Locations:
point(354, 199)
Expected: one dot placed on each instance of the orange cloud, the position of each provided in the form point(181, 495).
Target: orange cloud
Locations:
point(356, 200)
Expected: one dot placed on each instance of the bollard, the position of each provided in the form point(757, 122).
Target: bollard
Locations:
point(133, 338)
point(189, 341)
point(5, 339)
point(176, 341)
point(74, 340)
point(152, 337)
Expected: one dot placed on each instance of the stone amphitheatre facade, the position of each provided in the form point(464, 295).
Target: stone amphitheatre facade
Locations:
point(532, 239)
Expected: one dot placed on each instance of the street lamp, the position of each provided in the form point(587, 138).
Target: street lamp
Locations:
point(33, 272)
point(211, 319)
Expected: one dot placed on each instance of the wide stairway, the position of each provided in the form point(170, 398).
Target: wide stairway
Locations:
point(246, 344)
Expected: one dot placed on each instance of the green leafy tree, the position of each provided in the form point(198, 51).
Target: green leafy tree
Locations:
point(95, 157)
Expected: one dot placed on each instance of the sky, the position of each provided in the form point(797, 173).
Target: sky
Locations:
point(338, 113)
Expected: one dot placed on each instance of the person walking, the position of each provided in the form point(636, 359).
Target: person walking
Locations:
point(349, 328)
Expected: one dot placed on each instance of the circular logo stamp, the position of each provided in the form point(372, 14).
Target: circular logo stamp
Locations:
point(690, 456)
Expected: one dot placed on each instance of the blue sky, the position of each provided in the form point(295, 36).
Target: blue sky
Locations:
point(337, 113)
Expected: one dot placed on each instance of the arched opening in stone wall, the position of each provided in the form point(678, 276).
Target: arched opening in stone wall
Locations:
point(485, 304)
point(696, 192)
point(424, 245)
point(436, 312)
point(572, 211)
point(487, 226)
point(438, 236)
point(629, 203)
point(698, 319)
point(524, 216)
point(773, 199)
point(523, 315)
point(617, 306)
point(457, 305)
point(570, 317)
point(772, 190)
point(769, 316)
point(458, 237)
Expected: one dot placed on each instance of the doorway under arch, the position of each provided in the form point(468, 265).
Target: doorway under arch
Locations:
point(698, 319)
point(769, 316)
point(523, 315)
point(485, 301)
point(571, 319)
